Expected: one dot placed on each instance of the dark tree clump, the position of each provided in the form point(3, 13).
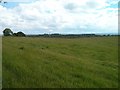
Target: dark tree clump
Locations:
point(21, 34)
point(7, 32)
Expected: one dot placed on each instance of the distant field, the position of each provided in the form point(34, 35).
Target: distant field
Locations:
point(58, 62)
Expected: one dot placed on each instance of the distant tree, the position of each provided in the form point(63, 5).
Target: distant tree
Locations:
point(108, 35)
point(19, 34)
point(7, 32)
point(14, 34)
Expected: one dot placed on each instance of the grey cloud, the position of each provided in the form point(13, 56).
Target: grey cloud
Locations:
point(70, 6)
point(91, 4)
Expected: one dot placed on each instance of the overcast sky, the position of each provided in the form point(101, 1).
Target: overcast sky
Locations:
point(60, 16)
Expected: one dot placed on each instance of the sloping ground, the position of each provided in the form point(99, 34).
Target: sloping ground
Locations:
point(57, 62)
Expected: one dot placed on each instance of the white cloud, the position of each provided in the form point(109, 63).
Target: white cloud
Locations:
point(64, 16)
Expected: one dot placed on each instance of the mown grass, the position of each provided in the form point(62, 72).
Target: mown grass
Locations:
point(59, 62)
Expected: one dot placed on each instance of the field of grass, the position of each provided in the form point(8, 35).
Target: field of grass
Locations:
point(58, 62)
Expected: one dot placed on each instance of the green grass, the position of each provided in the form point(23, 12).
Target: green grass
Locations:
point(59, 62)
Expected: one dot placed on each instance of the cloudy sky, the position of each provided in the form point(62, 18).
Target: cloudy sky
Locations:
point(60, 16)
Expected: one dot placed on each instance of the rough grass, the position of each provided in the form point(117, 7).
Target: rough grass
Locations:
point(59, 62)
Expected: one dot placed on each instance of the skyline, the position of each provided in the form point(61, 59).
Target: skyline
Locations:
point(60, 16)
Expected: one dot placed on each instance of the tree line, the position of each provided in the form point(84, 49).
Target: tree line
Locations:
point(9, 32)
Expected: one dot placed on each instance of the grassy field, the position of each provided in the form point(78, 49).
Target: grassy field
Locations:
point(58, 62)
